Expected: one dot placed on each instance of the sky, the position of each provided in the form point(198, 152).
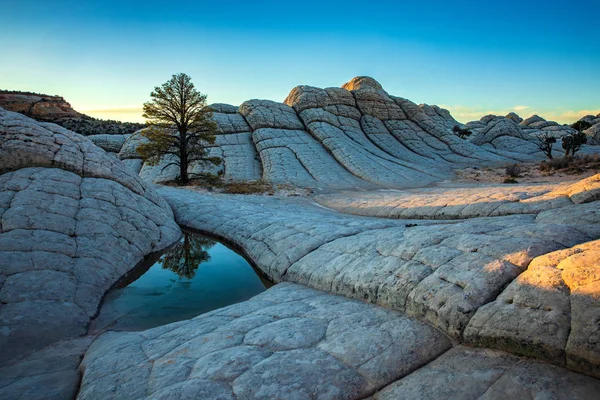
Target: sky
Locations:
point(471, 57)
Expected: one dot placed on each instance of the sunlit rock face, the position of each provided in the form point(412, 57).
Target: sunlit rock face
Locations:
point(490, 200)
point(549, 312)
point(73, 220)
point(38, 106)
point(362, 82)
point(354, 136)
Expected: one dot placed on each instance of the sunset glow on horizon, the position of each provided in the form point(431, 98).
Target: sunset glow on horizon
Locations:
point(471, 58)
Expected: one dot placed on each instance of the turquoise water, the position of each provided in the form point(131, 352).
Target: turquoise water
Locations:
point(195, 276)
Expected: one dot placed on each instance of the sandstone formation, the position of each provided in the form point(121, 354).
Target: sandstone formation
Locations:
point(290, 342)
point(453, 291)
point(56, 109)
point(512, 133)
point(73, 220)
point(356, 136)
point(442, 272)
point(37, 106)
point(593, 132)
point(549, 312)
point(451, 275)
point(110, 143)
point(468, 201)
point(464, 373)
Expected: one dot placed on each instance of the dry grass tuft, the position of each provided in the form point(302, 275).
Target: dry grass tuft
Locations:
point(571, 165)
point(255, 187)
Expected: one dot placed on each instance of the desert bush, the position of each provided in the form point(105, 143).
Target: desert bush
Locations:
point(513, 170)
point(581, 125)
point(572, 143)
point(255, 187)
point(92, 126)
point(571, 165)
point(545, 142)
point(461, 132)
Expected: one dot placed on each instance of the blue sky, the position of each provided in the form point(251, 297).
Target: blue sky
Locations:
point(472, 57)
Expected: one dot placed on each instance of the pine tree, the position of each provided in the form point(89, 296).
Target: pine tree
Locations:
point(180, 125)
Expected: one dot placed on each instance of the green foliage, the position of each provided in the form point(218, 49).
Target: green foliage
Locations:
point(461, 132)
point(160, 142)
point(181, 125)
point(87, 125)
point(187, 255)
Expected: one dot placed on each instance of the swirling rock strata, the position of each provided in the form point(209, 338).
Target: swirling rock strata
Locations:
point(73, 220)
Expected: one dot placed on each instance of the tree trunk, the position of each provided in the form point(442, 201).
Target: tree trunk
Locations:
point(183, 162)
point(183, 175)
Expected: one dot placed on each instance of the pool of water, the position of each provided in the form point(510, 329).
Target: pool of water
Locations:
point(196, 275)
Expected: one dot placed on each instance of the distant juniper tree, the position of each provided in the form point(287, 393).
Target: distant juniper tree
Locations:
point(180, 125)
point(545, 142)
point(581, 125)
point(572, 143)
point(187, 255)
point(461, 132)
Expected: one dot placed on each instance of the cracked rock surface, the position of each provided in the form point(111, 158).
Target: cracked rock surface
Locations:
point(551, 311)
point(290, 342)
point(466, 373)
point(520, 285)
point(440, 271)
point(463, 202)
point(73, 220)
point(381, 307)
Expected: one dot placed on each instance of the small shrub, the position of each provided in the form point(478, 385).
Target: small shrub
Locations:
point(572, 143)
point(510, 180)
point(461, 132)
point(571, 165)
point(545, 142)
point(513, 171)
point(581, 125)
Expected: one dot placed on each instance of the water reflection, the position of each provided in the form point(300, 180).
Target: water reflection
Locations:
point(196, 275)
point(186, 256)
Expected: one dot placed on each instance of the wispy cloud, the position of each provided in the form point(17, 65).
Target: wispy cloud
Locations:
point(571, 115)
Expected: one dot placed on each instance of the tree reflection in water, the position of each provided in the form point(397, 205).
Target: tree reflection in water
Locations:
point(187, 255)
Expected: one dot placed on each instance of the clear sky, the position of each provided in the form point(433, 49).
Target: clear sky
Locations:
point(472, 57)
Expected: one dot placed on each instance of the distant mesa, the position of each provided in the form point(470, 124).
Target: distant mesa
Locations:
point(56, 109)
point(40, 107)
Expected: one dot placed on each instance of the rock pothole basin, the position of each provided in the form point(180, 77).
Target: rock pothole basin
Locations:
point(196, 275)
